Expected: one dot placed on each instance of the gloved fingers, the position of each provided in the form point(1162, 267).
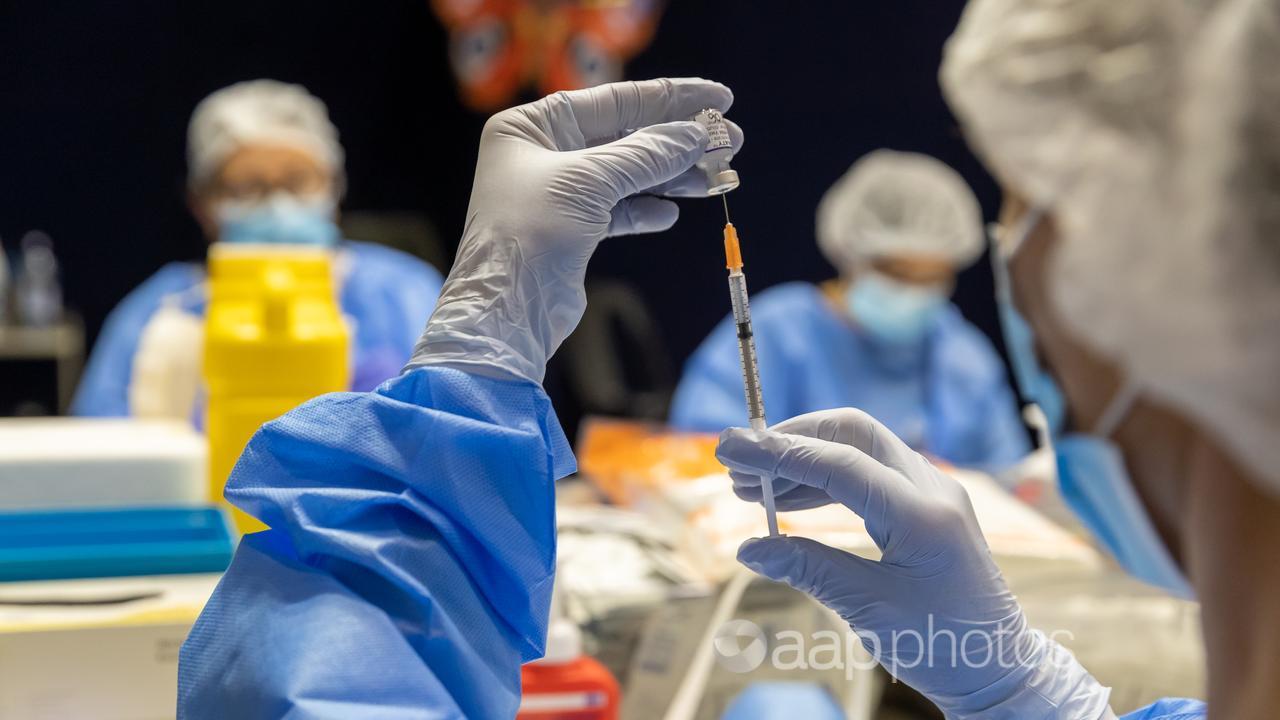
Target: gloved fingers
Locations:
point(688, 184)
point(842, 581)
point(846, 473)
point(603, 113)
point(693, 182)
point(642, 214)
point(787, 495)
point(750, 486)
point(854, 427)
point(644, 159)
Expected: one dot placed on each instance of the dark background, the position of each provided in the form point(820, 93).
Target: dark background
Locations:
point(95, 97)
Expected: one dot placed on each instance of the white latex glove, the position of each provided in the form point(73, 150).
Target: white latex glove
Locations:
point(935, 588)
point(554, 178)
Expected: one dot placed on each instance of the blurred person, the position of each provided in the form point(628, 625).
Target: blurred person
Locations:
point(883, 337)
point(1138, 144)
point(264, 166)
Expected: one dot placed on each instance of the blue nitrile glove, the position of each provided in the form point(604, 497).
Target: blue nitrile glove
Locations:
point(934, 610)
point(553, 179)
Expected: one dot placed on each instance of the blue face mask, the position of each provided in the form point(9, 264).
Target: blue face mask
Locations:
point(1095, 484)
point(1091, 471)
point(892, 311)
point(280, 219)
point(1032, 380)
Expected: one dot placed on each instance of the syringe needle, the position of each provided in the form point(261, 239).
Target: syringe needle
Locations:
point(725, 198)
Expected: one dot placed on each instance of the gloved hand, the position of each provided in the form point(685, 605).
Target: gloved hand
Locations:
point(934, 610)
point(553, 179)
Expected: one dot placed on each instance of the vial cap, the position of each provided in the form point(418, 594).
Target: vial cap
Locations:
point(723, 182)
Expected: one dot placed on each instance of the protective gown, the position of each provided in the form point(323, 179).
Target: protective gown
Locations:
point(389, 294)
point(1171, 709)
point(409, 567)
point(947, 396)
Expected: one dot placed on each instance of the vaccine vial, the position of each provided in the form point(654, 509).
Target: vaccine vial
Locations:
point(714, 163)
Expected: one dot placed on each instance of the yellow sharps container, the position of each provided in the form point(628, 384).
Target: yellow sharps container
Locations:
point(274, 338)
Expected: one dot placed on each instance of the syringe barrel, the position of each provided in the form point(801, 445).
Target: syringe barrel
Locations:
point(751, 382)
point(746, 347)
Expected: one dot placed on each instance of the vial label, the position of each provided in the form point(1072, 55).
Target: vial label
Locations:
point(717, 130)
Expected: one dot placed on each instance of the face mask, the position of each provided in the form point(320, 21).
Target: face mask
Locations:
point(1091, 471)
point(1036, 385)
point(279, 219)
point(1095, 484)
point(892, 311)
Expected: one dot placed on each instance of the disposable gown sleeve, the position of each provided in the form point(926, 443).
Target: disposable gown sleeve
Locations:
point(1005, 441)
point(975, 413)
point(104, 387)
point(390, 295)
point(409, 566)
point(709, 397)
point(1171, 709)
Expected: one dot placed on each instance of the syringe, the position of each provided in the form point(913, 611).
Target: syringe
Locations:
point(747, 352)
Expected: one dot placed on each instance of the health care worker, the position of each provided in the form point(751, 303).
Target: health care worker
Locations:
point(408, 569)
point(884, 337)
point(1139, 144)
point(264, 166)
point(409, 565)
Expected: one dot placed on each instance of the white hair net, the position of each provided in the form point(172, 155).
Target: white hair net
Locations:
point(1150, 129)
point(259, 111)
point(893, 203)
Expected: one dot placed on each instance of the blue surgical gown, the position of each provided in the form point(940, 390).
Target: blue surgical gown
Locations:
point(388, 293)
point(947, 395)
point(408, 569)
point(1171, 709)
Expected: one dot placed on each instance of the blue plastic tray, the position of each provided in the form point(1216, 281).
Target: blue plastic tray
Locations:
point(113, 543)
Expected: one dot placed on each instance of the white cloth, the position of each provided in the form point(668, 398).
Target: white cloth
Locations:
point(166, 368)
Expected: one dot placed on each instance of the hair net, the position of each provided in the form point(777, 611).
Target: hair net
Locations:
point(892, 203)
point(1150, 129)
point(259, 111)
